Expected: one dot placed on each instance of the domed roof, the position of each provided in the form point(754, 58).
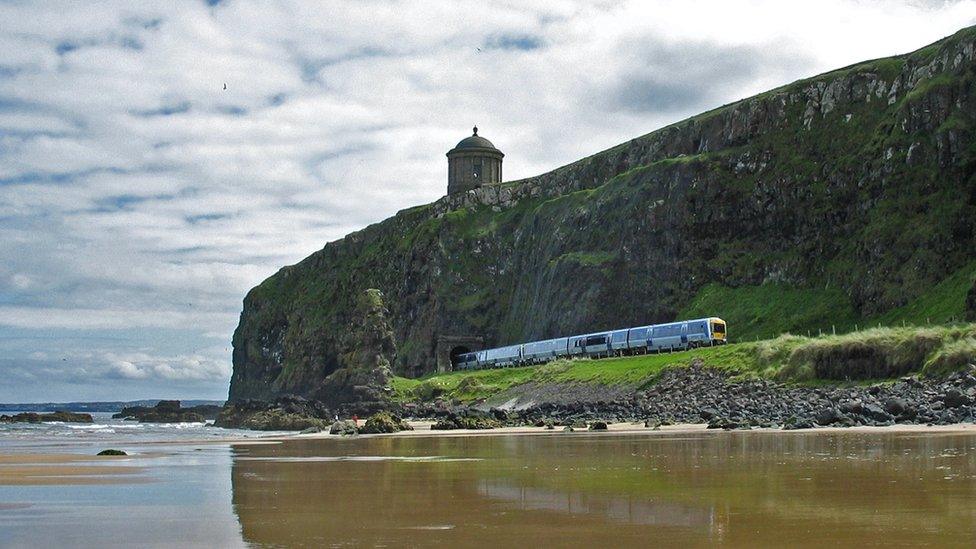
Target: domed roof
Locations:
point(475, 141)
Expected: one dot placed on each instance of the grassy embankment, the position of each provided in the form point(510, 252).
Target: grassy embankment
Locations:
point(873, 354)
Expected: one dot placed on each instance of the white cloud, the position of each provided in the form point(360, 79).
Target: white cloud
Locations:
point(137, 195)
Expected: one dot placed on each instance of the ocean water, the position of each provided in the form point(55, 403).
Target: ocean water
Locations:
point(57, 436)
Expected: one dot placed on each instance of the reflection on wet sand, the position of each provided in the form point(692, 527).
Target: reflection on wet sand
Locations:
point(738, 489)
point(622, 509)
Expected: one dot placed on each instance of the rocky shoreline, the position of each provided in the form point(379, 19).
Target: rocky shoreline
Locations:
point(704, 395)
point(682, 395)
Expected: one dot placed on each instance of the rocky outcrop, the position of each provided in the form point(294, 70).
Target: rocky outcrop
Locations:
point(168, 411)
point(468, 420)
point(287, 413)
point(361, 382)
point(33, 417)
point(858, 182)
point(384, 422)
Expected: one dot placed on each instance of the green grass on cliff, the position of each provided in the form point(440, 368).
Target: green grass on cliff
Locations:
point(944, 302)
point(760, 312)
point(874, 354)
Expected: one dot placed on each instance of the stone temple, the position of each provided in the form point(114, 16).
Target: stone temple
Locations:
point(472, 163)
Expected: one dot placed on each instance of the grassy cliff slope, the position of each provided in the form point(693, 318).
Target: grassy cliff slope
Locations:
point(842, 200)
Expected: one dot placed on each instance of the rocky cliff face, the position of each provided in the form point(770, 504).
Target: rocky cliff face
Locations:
point(856, 186)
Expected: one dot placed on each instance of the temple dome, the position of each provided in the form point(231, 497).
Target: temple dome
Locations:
point(474, 141)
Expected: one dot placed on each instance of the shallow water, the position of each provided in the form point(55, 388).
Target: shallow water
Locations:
point(65, 437)
point(735, 489)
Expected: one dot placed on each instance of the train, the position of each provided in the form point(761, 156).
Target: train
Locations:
point(672, 336)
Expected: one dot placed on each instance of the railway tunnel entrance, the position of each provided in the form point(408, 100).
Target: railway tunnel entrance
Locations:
point(450, 347)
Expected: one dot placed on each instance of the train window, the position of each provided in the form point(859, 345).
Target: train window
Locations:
point(718, 328)
point(596, 340)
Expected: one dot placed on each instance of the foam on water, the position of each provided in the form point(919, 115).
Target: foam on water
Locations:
point(105, 430)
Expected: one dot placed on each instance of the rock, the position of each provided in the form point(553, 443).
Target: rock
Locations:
point(851, 407)
point(168, 411)
point(707, 413)
point(344, 427)
point(112, 452)
point(598, 426)
point(722, 423)
point(384, 422)
point(288, 413)
point(454, 421)
point(955, 398)
point(33, 417)
point(367, 350)
point(895, 406)
point(828, 416)
point(311, 430)
point(795, 423)
point(875, 413)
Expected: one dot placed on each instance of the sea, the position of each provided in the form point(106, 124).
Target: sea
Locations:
point(56, 436)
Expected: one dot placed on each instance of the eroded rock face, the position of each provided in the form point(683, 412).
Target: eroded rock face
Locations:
point(813, 185)
point(362, 380)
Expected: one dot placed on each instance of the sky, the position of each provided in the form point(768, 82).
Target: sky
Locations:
point(140, 200)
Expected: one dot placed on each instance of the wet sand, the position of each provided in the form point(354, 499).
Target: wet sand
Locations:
point(27, 469)
point(19, 469)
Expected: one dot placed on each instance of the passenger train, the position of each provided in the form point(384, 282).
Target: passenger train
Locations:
point(673, 336)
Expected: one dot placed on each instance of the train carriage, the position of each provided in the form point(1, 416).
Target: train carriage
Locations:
point(536, 352)
point(671, 336)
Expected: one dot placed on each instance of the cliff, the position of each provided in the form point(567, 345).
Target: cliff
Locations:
point(841, 199)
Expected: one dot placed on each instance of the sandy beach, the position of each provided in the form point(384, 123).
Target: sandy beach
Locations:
point(62, 469)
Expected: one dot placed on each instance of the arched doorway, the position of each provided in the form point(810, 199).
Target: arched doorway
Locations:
point(457, 351)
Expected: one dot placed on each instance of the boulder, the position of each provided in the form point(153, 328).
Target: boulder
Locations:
point(896, 406)
point(875, 413)
point(344, 427)
point(954, 398)
point(828, 416)
point(384, 422)
point(598, 426)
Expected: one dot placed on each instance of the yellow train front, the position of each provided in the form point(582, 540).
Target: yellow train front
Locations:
point(718, 335)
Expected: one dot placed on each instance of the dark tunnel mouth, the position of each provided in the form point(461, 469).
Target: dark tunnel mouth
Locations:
point(457, 351)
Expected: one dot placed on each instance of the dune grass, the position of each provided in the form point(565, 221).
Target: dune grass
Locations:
point(874, 354)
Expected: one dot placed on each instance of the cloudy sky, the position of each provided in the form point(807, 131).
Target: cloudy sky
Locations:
point(140, 200)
